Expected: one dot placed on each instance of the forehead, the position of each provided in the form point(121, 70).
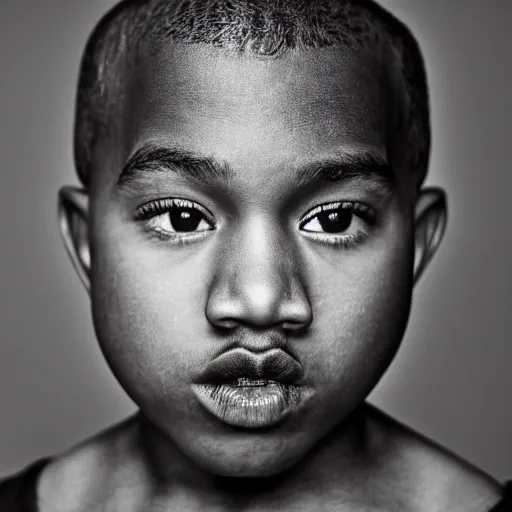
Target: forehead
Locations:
point(256, 112)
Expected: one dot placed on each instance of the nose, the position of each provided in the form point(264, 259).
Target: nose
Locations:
point(257, 283)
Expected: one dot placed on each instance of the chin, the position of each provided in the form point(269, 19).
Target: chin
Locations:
point(234, 469)
point(250, 462)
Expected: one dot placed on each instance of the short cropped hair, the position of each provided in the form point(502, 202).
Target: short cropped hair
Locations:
point(264, 28)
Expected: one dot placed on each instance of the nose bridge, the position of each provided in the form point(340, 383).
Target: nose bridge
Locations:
point(264, 259)
point(257, 280)
point(261, 271)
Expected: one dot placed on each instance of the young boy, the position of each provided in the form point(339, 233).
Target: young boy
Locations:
point(250, 229)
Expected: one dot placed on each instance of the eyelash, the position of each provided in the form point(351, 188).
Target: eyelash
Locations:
point(361, 210)
point(153, 209)
point(159, 207)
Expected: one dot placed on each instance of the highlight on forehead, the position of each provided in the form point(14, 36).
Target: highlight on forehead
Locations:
point(263, 28)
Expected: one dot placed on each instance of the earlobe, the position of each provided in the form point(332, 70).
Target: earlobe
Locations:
point(430, 225)
point(73, 212)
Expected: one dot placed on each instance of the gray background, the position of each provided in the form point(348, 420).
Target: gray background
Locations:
point(452, 380)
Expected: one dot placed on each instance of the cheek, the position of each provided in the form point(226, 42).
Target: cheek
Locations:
point(361, 310)
point(148, 315)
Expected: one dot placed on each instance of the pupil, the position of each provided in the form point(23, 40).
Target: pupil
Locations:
point(335, 221)
point(185, 219)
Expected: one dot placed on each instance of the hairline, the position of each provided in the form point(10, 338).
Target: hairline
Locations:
point(110, 69)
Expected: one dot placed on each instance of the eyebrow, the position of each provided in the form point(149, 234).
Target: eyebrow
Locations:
point(362, 165)
point(151, 157)
point(365, 165)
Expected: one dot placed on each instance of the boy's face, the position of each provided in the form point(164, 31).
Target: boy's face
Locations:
point(261, 232)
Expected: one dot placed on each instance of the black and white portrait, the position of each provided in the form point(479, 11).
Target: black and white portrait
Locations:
point(255, 255)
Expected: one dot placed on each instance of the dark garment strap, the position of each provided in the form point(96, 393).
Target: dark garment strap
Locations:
point(18, 493)
point(505, 505)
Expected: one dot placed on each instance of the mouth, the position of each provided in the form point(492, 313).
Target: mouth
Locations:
point(249, 390)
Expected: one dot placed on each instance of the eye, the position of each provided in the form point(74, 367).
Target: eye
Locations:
point(178, 219)
point(343, 223)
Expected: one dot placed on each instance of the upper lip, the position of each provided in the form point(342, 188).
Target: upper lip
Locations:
point(275, 365)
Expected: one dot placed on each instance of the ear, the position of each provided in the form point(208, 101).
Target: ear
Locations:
point(430, 225)
point(73, 223)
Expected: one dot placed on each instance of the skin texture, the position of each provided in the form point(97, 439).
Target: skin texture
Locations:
point(163, 309)
point(158, 304)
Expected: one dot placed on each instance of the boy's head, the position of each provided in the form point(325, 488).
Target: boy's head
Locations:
point(252, 223)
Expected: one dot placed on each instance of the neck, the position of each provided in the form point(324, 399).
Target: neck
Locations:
point(337, 459)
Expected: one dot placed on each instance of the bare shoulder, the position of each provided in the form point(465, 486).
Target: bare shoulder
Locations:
point(413, 473)
point(429, 475)
point(86, 477)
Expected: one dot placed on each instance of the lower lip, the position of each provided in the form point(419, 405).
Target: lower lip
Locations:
point(248, 404)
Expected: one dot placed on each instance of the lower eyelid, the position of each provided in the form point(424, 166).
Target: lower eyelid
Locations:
point(179, 239)
point(351, 240)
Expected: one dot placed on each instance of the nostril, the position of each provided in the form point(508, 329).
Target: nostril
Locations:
point(297, 314)
point(295, 326)
point(227, 323)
